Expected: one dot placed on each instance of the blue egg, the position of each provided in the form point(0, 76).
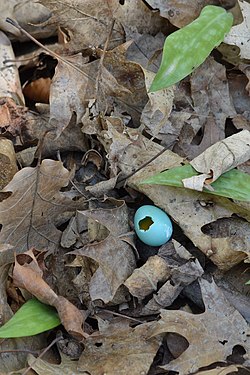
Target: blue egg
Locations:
point(152, 225)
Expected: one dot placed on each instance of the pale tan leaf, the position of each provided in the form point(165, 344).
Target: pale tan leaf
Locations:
point(143, 280)
point(239, 34)
point(223, 156)
point(9, 77)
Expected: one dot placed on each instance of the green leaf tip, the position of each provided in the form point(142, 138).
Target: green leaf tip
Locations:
point(32, 318)
point(186, 49)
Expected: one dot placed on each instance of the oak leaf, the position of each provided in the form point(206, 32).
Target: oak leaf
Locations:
point(212, 335)
point(31, 214)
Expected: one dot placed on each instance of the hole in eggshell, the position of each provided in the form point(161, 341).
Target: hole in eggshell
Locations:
point(145, 223)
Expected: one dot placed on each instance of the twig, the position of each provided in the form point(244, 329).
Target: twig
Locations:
point(42, 354)
point(142, 166)
point(52, 53)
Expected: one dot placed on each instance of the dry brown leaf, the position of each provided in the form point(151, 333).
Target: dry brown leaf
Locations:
point(92, 22)
point(221, 370)
point(71, 139)
point(66, 367)
point(143, 280)
point(119, 349)
point(219, 158)
point(29, 277)
point(183, 270)
point(12, 117)
point(114, 256)
point(157, 110)
point(212, 105)
point(211, 335)
point(177, 11)
point(114, 86)
point(16, 358)
point(146, 49)
point(30, 215)
point(8, 164)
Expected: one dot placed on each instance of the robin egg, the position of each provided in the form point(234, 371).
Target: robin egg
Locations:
point(152, 225)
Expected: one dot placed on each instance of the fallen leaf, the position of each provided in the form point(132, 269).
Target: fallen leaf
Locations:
point(8, 164)
point(133, 350)
point(9, 77)
point(26, 277)
point(211, 335)
point(183, 270)
point(177, 12)
point(35, 207)
point(220, 158)
point(221, 370)
point(158, 108)
point(12, 357)
point(114, 256)
point(238, 35)
point(144, 280)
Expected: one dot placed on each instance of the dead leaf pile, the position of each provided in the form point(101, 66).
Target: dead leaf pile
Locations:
point(80, 132)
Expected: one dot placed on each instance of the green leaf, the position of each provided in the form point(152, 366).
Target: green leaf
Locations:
point(232, 184)
point(32, 318)
point(248, 282)
point(187, 48)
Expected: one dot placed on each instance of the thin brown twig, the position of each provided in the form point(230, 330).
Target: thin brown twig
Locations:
point(42, 354)
point(142, 166)
point(52, 53)
point(120, 315)
point(97, 87)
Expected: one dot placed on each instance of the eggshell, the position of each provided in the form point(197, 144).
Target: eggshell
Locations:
point(152, 225)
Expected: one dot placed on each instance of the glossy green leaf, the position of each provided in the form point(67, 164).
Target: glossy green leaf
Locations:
point(232, 184)
point(187, 48)
point(32, 318)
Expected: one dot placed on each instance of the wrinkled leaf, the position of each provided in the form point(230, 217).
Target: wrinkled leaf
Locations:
point(32, 318)
point(31, 214)
point(232, 184)
point(212, 335)
point(187, 48)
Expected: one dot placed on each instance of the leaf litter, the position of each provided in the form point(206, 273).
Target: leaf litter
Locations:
point(72, 169)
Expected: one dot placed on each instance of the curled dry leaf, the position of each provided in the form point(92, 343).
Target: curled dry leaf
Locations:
point(143, 280)
point(183, 270)
point(219, 158)
point(36, 206)
point(211, 335)
point(30, 278)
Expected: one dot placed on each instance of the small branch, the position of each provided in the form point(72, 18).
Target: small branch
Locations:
point(42, 354)
point(54, 54)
